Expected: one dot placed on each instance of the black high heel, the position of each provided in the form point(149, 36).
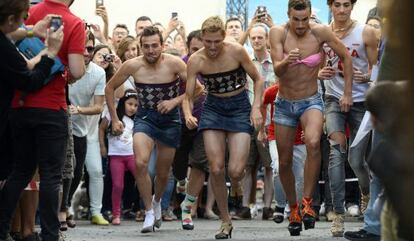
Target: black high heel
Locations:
point(225, 231)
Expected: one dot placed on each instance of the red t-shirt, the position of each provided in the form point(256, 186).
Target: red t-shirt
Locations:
point(52, 96)
point(269, 98)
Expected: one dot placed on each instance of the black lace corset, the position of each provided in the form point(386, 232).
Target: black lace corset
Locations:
point(149, 95)
point(225, 82)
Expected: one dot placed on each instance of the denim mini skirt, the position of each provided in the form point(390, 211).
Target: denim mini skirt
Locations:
point(165, 128)
point(226, 113)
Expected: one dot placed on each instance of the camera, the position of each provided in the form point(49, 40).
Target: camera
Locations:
point(174, 14)
point(108, 58)
point(261, 11)
point(55, 23)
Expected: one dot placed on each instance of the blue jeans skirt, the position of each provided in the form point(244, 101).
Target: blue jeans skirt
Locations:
point(226, 113)
point(165, 128)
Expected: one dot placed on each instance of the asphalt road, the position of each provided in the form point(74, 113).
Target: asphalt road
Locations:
point(204, 230)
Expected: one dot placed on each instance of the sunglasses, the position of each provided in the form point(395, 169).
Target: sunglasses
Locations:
point(90, 49)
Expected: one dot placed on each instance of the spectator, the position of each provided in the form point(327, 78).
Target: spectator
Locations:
point(39, 125)
point(141, 23)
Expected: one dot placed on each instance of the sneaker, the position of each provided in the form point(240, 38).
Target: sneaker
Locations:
point(330, 216)
point(243, 214)
point(267, 213)
point(278, 215)
point(116, 220)
point(234, 203)
point(364, 203)
point(99, 220)
point(308, 214)
point(361, 235)
point(107, 215)
point(157, 213)
point(186, 219)
point(254, 210)
point(149, 222)
point(337, 227)
point(295, 223)
point(353, 211)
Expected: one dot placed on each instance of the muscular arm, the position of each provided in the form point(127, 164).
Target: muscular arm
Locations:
point(276, 51)
point(193, 66)
point(371, 46)
point(255, 116)
point(127, 69)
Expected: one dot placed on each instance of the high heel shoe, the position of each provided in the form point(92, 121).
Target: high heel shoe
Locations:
point(224, 231)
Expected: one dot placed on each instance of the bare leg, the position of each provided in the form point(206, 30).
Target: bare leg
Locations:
point(29, 202)
point(215, 146)
point(210, 200)
point(285, 137)
point(143, 146)
point(165, 158)
point(312, 121)
point(247, 186)
point(268, 187)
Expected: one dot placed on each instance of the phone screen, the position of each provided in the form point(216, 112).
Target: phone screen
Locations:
point(174, 14)
point(55, 23)
point(99, 3)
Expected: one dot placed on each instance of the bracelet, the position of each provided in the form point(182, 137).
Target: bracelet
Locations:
point(29, 33)
point(367, 77)
point(78, 109)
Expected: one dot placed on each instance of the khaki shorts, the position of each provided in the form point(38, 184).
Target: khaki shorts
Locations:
point(258, 152)
point(198, 157)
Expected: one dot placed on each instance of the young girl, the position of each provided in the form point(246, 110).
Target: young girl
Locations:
point(120, 150)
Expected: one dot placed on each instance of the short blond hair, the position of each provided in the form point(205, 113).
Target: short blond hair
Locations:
point(212, 25)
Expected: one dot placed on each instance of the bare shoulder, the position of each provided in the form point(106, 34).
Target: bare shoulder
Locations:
point(233, 47)
point(321, 31)
point(369, 32)
point(132, 65)
point(277, 31)
point(196, 60)
point(172, 59)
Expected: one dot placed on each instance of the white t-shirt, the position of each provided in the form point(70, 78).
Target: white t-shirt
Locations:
point(121, 145)
point(81, 93)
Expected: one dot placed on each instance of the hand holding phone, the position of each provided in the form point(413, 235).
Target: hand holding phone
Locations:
point(261, 11)
point(55, 23)
point(99, 3)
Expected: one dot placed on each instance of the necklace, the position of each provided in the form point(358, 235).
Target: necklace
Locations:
point(344, 29)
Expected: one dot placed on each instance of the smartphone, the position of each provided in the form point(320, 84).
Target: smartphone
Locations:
point(99, 3)
point(55, 23)
point(261, 11)
point(329, 63)
point(174, 14)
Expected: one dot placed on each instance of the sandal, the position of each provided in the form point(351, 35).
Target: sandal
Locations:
point(224, 231)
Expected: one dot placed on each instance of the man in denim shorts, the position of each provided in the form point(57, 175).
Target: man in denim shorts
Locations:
point(296, 53)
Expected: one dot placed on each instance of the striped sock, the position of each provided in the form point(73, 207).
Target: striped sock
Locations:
point(186, 207)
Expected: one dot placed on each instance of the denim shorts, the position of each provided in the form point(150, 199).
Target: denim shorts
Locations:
point(165, 128)
point(288, 112)
point(226, 113)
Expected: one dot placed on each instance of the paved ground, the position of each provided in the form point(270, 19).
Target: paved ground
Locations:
point(204, 230)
